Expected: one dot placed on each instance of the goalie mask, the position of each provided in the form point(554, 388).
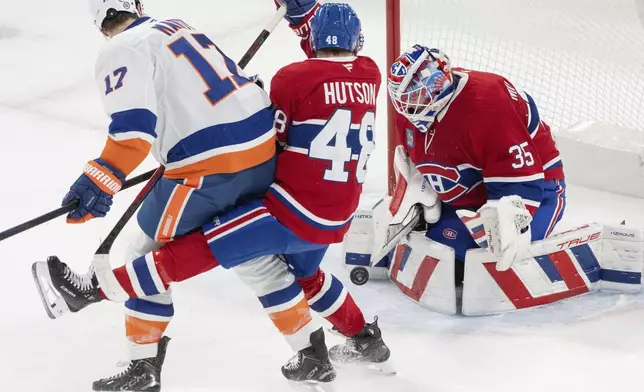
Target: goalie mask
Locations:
point(421, 84)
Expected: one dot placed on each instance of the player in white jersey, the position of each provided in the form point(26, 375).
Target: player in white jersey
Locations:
point(169, 90)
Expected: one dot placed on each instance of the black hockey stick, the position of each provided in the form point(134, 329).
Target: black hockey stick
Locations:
point(66, 209)
point(107, 243)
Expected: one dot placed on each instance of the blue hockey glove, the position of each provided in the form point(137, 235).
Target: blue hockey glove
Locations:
point(94, 189)
point(299, 11)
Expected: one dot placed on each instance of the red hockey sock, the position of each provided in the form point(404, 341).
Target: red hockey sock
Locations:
point(176, 261)
point(184, 258)
point(348, 318)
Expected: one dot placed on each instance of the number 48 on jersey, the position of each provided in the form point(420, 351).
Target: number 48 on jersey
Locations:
point(337, 143)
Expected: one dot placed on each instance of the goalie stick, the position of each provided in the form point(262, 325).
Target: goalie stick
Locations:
point(400, 234)
point(66, 209)
point(53, 302)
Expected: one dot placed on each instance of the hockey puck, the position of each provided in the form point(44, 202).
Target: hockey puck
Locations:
point(359, 276)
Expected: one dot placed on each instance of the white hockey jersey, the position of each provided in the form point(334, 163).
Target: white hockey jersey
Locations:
point(170, 90)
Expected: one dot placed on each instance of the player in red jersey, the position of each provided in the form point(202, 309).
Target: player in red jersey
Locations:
point(481, 145)
point(324, 115)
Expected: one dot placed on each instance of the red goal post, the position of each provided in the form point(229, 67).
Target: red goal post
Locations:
point(581, 60)
point(393, 51)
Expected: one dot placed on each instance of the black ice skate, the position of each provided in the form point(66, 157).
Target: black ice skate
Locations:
point(310, 368)
point(61, 289)
point(143, 375)
point(366, 348)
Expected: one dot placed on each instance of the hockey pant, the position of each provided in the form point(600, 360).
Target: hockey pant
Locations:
point(282, 269)
point(173, 209)
point(451, 231)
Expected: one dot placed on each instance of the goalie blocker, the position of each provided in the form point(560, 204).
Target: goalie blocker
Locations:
point(590, 258)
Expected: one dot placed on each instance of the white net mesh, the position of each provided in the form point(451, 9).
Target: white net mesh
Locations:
point(579, 59)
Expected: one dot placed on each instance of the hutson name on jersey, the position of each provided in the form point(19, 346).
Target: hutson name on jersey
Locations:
point(342, 92)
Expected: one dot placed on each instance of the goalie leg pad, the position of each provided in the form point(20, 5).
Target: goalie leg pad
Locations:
point(368, 233)
point(423, 270)
point(590, 258)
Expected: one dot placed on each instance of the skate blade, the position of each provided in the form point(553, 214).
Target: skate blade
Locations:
point(383, 368)
point(54, 304)
point(312, 386)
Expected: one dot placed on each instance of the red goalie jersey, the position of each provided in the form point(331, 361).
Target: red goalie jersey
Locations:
point(325, 119)
point(489, 142)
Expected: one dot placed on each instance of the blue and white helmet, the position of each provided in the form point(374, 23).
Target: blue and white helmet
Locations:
point(336, 25)
point(101, 9)
point(421, 84)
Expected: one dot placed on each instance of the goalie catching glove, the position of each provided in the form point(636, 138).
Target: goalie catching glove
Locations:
point(502, 226)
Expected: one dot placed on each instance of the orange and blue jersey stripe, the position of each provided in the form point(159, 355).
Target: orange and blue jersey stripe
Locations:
point(219, 149)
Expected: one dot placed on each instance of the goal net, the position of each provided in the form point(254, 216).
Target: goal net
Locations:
point(581, 60)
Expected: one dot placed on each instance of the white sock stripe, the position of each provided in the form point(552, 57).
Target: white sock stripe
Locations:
point(336, 305)
point(328, 279)
point(152, 268)
point(142, 351)
point(161, 299)
point(232, 221)
point(241, 226)
point(302, 338)
point(146, 316)
point(286, 305)
point(136, 286)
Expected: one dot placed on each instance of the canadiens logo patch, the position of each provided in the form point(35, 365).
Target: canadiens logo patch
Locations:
point(399, 69)
point(450, 182)
point(450, 234)
point(410, 137)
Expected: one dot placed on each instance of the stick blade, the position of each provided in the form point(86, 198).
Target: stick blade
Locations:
point(54, 304)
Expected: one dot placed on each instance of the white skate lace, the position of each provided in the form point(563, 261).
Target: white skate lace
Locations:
point(293, 363)
point(123, 372)
point(81, 282)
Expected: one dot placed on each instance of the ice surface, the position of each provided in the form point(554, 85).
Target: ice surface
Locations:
point(52, 122)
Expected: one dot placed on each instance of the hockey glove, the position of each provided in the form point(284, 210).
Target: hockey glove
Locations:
point(94, 189)
point(299, 14)
point(507, 228)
